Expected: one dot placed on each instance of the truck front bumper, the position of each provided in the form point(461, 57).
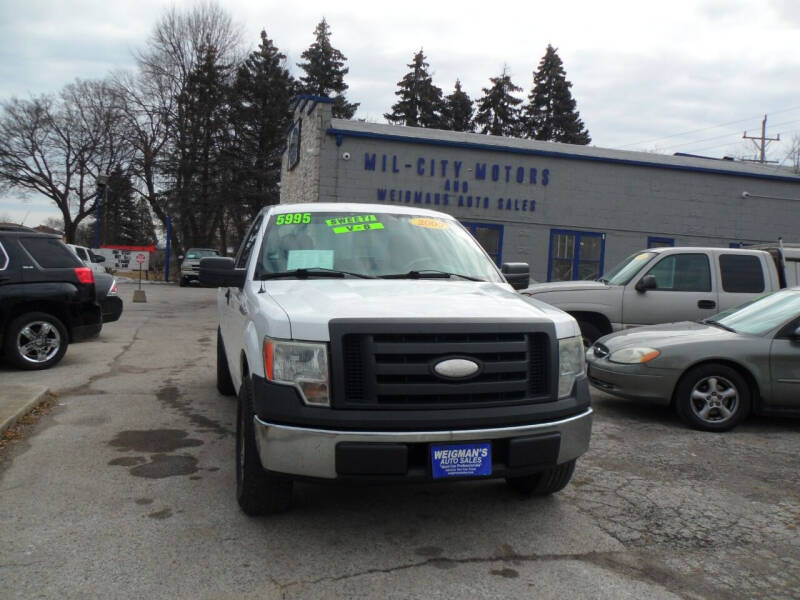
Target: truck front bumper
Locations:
point(389, 456)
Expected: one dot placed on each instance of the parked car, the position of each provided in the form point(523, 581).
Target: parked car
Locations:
point(381, 343)
point(47, 299)
point(664, 285)
point(714, 372)
point(190, 264)
point(108, 297)
point(89, 258)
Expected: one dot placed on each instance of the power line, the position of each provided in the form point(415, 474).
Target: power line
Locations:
point(774, 112)
point(724, 135)
point(762, 147)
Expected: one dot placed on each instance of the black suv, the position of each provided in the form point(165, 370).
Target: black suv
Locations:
point(47, 298)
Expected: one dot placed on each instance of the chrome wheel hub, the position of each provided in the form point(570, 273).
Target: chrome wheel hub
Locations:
point(38, 342)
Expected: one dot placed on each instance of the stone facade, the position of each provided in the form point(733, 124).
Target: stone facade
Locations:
point(541, 202)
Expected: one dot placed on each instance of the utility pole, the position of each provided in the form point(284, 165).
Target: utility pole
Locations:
point(762, 147)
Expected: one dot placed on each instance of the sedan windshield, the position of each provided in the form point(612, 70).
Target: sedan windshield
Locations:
point(624, 271)
point(761, 315)
point(371, 245)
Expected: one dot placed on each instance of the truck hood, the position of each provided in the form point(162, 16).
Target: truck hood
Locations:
point(311, 304)
point(565, 286)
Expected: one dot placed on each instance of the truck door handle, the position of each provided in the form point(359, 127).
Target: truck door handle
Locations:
point(706, 304)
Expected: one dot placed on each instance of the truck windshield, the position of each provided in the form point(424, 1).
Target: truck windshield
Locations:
point(624, 271)
point(193, 253)
point(372, 245)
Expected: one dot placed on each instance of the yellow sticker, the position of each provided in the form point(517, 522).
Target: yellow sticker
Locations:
point(429, 223)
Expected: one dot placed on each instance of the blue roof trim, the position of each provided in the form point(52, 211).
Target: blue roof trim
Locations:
point(302, 101)
point(342, 133)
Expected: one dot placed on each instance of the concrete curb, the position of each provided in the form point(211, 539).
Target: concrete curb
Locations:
point(18, 400)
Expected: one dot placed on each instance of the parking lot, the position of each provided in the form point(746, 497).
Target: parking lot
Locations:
point(126, 489)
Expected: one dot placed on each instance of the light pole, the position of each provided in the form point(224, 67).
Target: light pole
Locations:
point(102, 193)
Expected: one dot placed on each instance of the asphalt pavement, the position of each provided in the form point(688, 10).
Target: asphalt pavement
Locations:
point(126, 490)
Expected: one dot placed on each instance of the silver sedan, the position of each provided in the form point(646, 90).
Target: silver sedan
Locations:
point(715, 372)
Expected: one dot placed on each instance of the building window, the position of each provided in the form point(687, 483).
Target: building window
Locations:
point(575, 255)
point(660, 242)
point(490, 237)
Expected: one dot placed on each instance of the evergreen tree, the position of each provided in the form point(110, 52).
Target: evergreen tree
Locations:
point(420, 102)
point(550, 113)
point(260, 115)
point(124, 219)
point(197, 159)
point(498, 112)
point(325, 72)
point(458, 110)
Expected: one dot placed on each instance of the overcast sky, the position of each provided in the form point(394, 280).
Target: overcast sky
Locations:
point(670, 77)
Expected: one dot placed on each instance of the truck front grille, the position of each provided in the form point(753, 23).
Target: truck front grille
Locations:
point(384, 369)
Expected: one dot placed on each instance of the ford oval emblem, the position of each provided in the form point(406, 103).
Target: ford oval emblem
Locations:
point(456, 368)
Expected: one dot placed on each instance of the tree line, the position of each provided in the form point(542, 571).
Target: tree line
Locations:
point(549, 114)
point(195, 132)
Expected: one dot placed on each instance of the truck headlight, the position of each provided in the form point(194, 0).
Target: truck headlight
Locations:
point(634, 356)
point(571, 363)
point(302, 364)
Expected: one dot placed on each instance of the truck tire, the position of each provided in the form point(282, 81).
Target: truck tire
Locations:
point(544, 483)
point(224, 381)
point(182, 281)
point(35, 340)
point(257, 491)
point(712, 397)
point(589, 332)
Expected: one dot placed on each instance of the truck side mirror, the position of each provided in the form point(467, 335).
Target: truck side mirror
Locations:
point(221, 272)
point(96, 258)
point(180, 256)
point(517, 274)
point(648, 282)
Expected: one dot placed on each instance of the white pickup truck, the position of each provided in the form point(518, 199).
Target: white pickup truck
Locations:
point(664, 285)
point(381, 343)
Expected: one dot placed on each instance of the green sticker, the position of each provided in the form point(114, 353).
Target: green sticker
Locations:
point(358, 227)
point(293, 219)
point(352, 220)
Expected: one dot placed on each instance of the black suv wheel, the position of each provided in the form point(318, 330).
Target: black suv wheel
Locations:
point(35, 340)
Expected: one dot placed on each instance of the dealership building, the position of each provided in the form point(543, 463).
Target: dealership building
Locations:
point(571, 212)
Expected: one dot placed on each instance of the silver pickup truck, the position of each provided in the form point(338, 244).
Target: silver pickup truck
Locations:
point(662, 285)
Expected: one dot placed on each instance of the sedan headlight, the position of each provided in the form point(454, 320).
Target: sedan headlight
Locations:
point(633, 356)
point(302, 364)
point(571, 363)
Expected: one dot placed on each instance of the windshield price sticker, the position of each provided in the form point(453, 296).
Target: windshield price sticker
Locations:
point(293, 219)
point(429, 223)
point(354, 223)
point(461, 460)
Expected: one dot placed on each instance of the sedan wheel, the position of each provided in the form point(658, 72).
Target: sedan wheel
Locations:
point(713, 397)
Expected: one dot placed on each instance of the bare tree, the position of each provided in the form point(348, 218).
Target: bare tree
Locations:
point(58, 145)
point(156, 118)
point(793, 155)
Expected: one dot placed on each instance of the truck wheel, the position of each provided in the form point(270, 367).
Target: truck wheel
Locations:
point(589, 332)
point(257, 491)
point(182, 282)
point(545, 483)
point(35, 340)
point(712, 397)
point(224, 382)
